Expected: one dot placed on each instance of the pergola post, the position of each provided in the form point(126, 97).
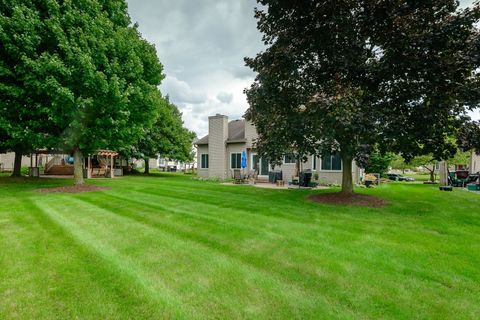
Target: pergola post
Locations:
point(111, 167)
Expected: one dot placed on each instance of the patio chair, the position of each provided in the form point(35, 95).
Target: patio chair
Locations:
point(238, 177)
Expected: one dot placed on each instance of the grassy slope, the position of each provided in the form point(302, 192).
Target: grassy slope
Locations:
point(170, 247)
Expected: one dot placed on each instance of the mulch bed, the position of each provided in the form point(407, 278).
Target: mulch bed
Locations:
point(349, 200)
point(73, 189)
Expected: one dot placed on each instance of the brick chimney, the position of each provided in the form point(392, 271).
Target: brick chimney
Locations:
point(217, 146)
point(250, 133)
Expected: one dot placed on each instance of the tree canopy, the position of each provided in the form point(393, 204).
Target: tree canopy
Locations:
point(167, 137)
point(23, 116)
point(353, 76)
point(80, 76)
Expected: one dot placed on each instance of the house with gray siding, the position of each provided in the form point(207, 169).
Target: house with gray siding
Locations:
point(7, 160)
point(219, 154)
point(474, 162)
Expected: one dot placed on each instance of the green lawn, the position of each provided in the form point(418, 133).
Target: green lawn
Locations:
point(420, 176)
point(167, 246)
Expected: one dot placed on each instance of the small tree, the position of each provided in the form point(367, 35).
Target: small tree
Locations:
point(379, 163)
point(399, 163)
point(427, 162)
point(167, 137)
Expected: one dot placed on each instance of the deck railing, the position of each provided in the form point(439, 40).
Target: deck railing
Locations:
point(55, 161)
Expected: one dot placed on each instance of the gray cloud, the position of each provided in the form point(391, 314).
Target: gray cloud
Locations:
point(465, 3)
point(225, 97)
point(180, 91)
point(202, 45)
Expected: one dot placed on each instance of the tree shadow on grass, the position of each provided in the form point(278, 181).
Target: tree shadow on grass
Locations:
point(10, 185)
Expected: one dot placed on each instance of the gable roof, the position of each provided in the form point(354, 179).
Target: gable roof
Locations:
point(236, 133)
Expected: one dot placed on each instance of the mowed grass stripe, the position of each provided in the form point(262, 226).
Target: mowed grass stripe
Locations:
point(281, 206)
point(63, 271)
point(242, 247)
point(246, 197)
point(240, 251)
point(196, 261)
point(104, 251)
point(320, 229)
point(304, 276)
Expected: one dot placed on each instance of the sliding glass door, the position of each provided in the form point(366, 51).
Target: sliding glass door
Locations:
point(260, 165)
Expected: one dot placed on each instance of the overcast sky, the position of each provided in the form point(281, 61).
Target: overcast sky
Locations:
point(201, 44)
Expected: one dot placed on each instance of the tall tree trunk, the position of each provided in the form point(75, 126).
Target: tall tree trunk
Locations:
point(347, 177)
point(78, 167)
point(17, 164)
point(147, 166)
point(432, 175)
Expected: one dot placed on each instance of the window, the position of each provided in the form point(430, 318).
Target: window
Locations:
point(204, 161)
point(236, 161)
point(332, 162)
point(289, 158)
point(314, 162)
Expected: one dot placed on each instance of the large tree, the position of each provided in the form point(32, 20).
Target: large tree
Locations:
point(23, 117)
point(350, 76)
point(96, 79)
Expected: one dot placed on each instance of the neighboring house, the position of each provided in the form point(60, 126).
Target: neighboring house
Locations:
point(61, 164)
point(163, 164)
point(219, 153)
point(172, 165)
point(7, 160)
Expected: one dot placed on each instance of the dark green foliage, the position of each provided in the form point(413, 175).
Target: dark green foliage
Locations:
point(167, 137)
point(23, 116)
point(349, 75)
point(103, 90)
point(468, 137)
point(429, 74)
point(75, 76)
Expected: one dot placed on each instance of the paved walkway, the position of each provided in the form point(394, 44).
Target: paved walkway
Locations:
point(266, 185)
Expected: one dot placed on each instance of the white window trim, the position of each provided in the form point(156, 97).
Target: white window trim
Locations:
point(313, 162)
point(201, 166)
point(232, 153)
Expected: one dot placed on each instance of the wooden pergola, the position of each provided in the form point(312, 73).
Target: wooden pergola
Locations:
point(103, 153)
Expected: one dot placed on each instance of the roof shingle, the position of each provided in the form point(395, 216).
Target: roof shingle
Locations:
point(236, 133)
